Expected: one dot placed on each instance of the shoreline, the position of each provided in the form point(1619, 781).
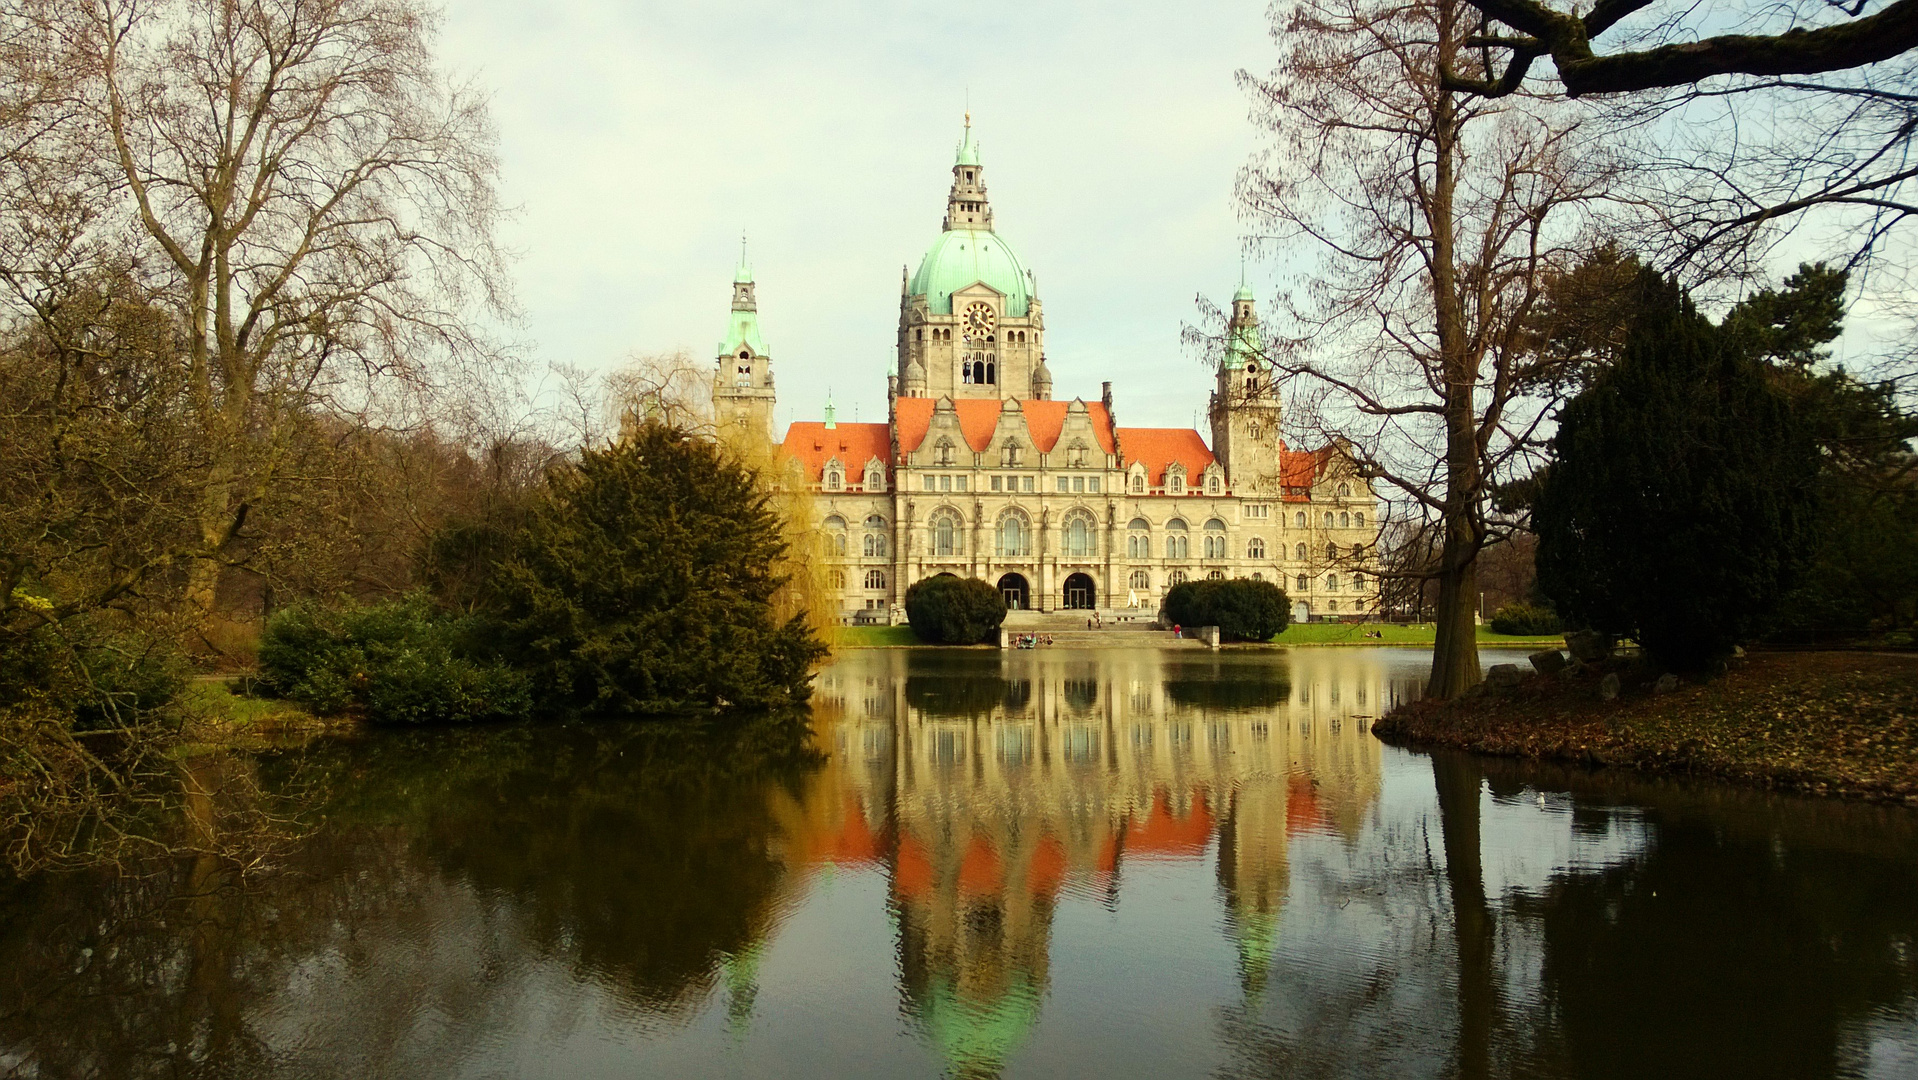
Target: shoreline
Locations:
point(1839, 724)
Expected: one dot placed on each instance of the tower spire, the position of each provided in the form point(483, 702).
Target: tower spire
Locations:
point(966, 206)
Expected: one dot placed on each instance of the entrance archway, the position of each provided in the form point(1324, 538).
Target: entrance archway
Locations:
point(1018, 595)
point(1300, 612)
point(1081, 594)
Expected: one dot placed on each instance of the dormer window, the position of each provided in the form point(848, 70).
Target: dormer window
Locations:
point(1175, 481)
point(1213, 485)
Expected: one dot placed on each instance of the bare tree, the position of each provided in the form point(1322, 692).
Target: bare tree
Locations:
point(307, 193)
point(1423, 224)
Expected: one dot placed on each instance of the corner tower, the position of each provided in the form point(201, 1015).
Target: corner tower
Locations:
point(969, 321)
point(1245, 405)
point(743, 384)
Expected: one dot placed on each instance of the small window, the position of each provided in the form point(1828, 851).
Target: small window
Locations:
point(1345, 491)
point(945, 483)
point(1328, 519)
point(929, 483)
point(1298, 520)
point(836, 579)
point(1079, 485)
point(1065, 484)
point(1092, 485)
point(834, 480)
point(1216, 575)
point(875, 579)
point(959, 483)
point(1174, 484)
point(1299, 553)
point(996, 483)
point(1358, 520)
point(1302, 586)
point(1345, 521)
point(1255, 548)
point(1028, 484)
point(1331, 583)
point(1213, 485)
point(1138, 484)
point(1176, 577)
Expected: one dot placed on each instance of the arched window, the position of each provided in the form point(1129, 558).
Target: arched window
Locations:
point(1140, 579)
point(1177, 543)
point(833, 538)
point(1298, 519)
point(875, 545)
point(1138, 484)
point(1358, 520)
point(1079, 539)
point(834, 478)
point(1345, 491)
point(992, 373)
point(875, 478)
point(1331, 583)
point(1299, 552)
point(1215, 539)
point(1216, 575)
point(1176, 577)
point(1333, 606)
point(1331, 551)
point(1138, 541)
point(1345, 520)
point(1358, 582)
point(1213, 485)
point(1256, 576)
point(946, 534)
point(836, 579)
point(1255, 548)
point(875, 579)
point(1302, 583)
point(1328, 519)
point(1175, 480)
point(1014, 535)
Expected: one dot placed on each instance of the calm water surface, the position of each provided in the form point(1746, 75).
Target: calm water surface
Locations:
point(1037, 864)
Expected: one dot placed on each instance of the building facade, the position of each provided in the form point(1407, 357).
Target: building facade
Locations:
point(979, 471)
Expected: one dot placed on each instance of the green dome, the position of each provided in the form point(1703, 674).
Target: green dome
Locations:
point(963, 256)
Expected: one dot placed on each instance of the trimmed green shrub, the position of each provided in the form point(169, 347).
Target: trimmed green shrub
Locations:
point(644, 581)
point(394, 663)
point(1525, 620)
point(951, 610)
point(1242, 609)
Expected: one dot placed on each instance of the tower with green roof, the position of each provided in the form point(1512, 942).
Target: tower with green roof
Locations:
point(743, 384)
point(970, 324)
point(1245, 403)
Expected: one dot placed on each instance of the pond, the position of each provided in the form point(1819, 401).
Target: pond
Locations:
point(1035, 864)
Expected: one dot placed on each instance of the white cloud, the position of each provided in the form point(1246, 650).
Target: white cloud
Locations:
point(638, 139)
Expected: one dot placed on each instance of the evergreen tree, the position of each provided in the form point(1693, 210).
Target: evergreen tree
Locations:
point(946, 609)
point(643, 583)
point(1679, 505)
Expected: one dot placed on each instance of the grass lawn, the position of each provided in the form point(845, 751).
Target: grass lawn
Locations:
point(874, 637)
point(1393, 634)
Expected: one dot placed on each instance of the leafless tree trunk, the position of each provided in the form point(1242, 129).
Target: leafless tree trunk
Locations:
point(313, 199)
point(1422, 224)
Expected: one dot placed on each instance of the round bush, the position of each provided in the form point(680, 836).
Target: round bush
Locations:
point(1525, 620)
point(951, 610)
point(1242, 609)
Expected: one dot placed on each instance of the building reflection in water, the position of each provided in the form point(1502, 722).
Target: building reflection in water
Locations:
point(990, 786)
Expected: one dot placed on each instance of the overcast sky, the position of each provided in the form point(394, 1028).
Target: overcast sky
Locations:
point(638, 138)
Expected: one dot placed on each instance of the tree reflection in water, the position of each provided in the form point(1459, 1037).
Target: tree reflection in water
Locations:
point(1048, 862)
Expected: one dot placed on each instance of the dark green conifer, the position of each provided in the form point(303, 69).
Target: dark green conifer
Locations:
point(644, 583)
point(1679, 505)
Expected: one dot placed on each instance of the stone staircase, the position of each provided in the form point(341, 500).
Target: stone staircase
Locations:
point(1119, 630)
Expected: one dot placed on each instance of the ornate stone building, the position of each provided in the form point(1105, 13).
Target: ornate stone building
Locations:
point(980, 471)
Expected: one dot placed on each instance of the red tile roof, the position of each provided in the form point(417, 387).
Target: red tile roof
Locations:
point(1157, 448)
point(979, 416)
point(812, 444)
point(1299, 470)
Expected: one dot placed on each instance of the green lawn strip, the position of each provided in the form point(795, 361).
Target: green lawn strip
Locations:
point(1393, 634)
point(1827, 723)
point(874, 637)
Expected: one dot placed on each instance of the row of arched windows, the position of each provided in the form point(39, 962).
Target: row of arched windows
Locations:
point(979, 369)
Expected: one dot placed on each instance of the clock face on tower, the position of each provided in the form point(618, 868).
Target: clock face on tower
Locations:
point(979, 320)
